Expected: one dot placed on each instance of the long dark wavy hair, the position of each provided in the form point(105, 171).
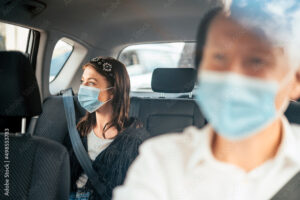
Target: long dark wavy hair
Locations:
point(116, 74)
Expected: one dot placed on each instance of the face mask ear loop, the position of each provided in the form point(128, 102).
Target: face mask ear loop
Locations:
point(107, 89)
point(106, 101)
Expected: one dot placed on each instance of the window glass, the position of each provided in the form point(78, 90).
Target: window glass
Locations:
point(13, 37)
point(142, 59)
point(60, 55)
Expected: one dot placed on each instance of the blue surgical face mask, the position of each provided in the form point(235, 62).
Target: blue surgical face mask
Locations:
point(237, 106)
point(88, 98)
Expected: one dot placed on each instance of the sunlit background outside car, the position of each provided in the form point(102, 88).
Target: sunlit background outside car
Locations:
point(13, 37)
point(142, 59)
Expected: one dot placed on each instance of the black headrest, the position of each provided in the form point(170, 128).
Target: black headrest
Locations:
point(19, 90)
point(173, 80)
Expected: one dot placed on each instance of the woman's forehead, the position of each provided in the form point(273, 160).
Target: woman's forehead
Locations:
point(90, 72)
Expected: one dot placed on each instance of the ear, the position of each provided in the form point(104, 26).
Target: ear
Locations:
point(295, 94)
point(111, 93)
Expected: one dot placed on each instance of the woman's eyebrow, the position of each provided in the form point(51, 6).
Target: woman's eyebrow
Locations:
point(92, 79)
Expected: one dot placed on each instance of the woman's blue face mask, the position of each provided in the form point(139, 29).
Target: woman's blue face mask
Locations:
point(88, 98)
point(237, 106)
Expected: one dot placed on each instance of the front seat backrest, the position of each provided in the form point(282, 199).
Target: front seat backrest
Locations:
point(32, 168)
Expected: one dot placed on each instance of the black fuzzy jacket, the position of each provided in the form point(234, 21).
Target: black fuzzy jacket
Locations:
point(112, 163)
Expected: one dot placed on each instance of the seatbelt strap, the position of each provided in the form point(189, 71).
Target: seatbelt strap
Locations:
point(290, 191)
point(77, 144)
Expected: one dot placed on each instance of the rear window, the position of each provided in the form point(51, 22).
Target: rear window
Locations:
point(60, 55)
point(13, 37)
point(142, 59)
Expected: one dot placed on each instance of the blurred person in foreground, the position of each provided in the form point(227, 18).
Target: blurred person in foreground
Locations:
point(248, 62)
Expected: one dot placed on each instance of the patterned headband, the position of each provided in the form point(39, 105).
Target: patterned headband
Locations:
point(104, 65)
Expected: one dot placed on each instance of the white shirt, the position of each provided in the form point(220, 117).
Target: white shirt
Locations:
point(95, 146)
point(182, 167)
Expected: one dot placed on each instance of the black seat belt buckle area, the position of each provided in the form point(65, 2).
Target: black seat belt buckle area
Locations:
point(64, 91)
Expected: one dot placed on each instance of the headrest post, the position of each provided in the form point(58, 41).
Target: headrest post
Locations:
point(162, 95)
point(32, 125)
point(191, 95)
point(23, 129)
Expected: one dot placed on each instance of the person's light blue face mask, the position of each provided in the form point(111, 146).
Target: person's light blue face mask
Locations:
point(237, 106)
point(88, 98)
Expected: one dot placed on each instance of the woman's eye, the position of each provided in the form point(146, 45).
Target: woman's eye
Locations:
point(91, 83)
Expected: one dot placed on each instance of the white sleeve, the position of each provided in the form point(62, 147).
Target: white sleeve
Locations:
point(145, 178)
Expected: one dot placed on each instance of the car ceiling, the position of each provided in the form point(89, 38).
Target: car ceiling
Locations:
point(106, 24)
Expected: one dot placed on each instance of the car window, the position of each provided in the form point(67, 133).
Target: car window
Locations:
point(142, 59)
point(13, 37)
point(60, 55)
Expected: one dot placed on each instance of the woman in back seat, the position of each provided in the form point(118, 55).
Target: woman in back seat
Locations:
point(110, 136)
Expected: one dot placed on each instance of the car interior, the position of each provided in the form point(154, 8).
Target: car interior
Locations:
point(63, 35)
